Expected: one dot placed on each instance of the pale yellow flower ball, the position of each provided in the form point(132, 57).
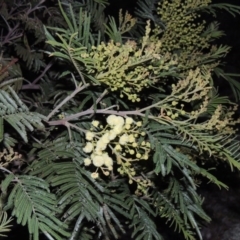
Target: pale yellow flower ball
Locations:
point(88, 148)
point(95, 123)
point(145, 157)
point(110, 168)
point(111, 119)
point(118, 129)
point(119, 121)
point(148, 144)
point(139, 124)
point(98, 161)
point(112, 135)
point(118, 147)
point(87, 161)
point(134, 144)
point(131, 138)
point(123, 139)
point(94, 175)
point(105, 138)
point(138, 155)
point(129, 120)
point(89, 135)
point(131, 151)
point(107, 160)
point(101, 145)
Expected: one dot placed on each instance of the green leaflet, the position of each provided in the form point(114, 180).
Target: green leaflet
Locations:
point(6, 182)
point(143, 226)
point(34, 206)
point(17, 114)
point(5, 224)
point(53, 192)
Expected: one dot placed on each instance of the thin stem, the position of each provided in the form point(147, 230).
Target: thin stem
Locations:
point(76, 66)
point(30, 86)
point(10, 81)
point(76, 127)
point(5, 68)
point(89, 112)
point(155, 104)
point(99, 98)
point(75, 92)
point(101, 111)
point(76, 227)
point(5, 170)
point(44, 72)
point(33, 85)
point(48, 236)
point(36, 7)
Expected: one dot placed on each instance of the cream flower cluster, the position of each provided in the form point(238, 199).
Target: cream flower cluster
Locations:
point(122, 137)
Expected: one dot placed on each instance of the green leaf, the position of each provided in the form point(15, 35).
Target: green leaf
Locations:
point(34, 205)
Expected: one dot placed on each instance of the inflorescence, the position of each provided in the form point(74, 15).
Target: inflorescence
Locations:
point(125, 139)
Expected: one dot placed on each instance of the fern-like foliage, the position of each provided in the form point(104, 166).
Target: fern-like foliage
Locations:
point(120, 127)
point(142, 224)
point(230, 8)
point(5, 224)
point(17, 115)
point(78, 194)
point(34, 210)
point(32, 59)
point(23, 23)
point(96, 10)
point(232, 81)
point(8, 72)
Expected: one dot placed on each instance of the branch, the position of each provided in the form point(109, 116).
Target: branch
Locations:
point(77, 227)
point(99, 98)
point(30, 86)
point(10, 81)
point(11, 35)
point(37, 7)
point(48, 235)
point(33, 85)
point(5, 170)
point(92, 111)
point(5, 68)
point(75, 92)
point(44, 71)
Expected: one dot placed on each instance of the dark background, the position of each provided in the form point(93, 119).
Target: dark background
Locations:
point(229, 24)
point(222, 206)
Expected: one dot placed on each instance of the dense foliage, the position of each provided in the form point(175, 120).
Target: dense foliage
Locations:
point(109, 123)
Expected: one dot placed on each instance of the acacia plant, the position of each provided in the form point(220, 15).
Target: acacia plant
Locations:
point(108, 124)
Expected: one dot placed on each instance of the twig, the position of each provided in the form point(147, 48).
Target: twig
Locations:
point(10, 81)
point(5, 68)
point(104, 111)
point(5, 170)
point(91, 111)
point(30, 86)
point(36, 7)
point(75, 64)
point(74, 126)
point(76, 227)
point(76, 91)
point(99, 98)
point(48, 235)
point(44, 71)
point(33, 85)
